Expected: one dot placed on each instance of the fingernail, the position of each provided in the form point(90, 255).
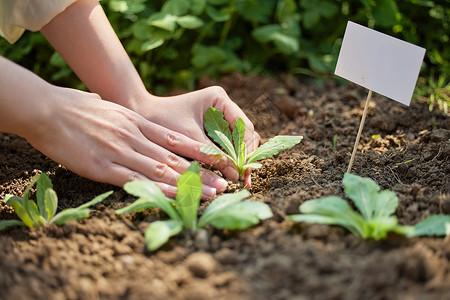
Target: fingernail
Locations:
point(171, 191)
point(221, 184)
point(209, 191)
point(232, 173)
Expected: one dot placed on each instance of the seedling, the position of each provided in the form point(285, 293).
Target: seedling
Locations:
point(376, 208)
point(226, 211)
point(44, 212)
point(218, 129)
point(335, 139)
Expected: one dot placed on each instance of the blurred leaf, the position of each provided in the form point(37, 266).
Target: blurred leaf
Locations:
point(176, 7)
point(188, 195)
point(152, 44)
point(218, 15)
point(190, 22)
point(259, 11)
point(159, 232)
point(8, 223)
point(164, 21)
point(198, 6)
point(385, 13)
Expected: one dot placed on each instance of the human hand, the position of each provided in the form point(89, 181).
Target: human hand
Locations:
point(184, 114)
point(109, 143)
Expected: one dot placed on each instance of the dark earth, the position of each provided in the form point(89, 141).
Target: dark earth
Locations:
point(405, 149)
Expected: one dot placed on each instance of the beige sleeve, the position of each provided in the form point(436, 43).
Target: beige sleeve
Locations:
point(18, 15)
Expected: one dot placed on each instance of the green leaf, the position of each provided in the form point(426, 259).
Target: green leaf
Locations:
point(188, 196)
point(432, 225)
point(219, 130)
point(328, 9)
point(21, 212)
point(96, 200)
point(198, 6)
point(159, 232)
point(220, 203)
point(385, 13)
point(176, 7)
point(9, 198)
point(285, 43)
point(238, 140)
point(70, 214)
point(310, 18)
point(274, 146)
point(241, 215)
point(164, 21)
point(8, 223)
point(26, 200)
point(379, 227)
point(331, 210)
point(255, 11)
point(218, 15)
point(148, 190)
point(210, 150)
point(265, 34)
point(138, 205)
point(50, 204)
point(190, 22)
point(363, 192)
point(43, 183)
point(386, 204)
point(152, 44)
point(34, 214)
point(252, 165)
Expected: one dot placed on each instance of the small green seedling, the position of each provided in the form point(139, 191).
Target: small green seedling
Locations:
point(226, 211)
point(335, 139)
point(218, 129)
point(44, 212)
point(376, 208)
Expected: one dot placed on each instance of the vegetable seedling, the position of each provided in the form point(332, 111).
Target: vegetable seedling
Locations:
point(44, 212)
point(233, 143)
point(226, 211)
point(376, 208)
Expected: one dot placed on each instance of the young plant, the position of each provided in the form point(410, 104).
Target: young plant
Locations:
point(226, 211)
point(218, 129)
point(44, 212)
point(376, 208)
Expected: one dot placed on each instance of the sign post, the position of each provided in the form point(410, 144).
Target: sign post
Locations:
point(380, 63)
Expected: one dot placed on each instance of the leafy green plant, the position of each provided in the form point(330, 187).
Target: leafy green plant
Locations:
point(44, 212)
point(226, 211)
point(233, 142)
point(434, 92)
point(376, 209)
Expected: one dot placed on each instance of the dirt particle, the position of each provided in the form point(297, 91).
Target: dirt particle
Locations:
point(200, 264)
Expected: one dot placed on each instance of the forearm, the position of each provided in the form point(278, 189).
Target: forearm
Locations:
point(83, 36)
point(24, 100)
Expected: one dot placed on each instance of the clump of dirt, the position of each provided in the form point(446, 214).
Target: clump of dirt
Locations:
point(405, 149)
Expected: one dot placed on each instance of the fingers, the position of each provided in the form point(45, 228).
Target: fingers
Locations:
point(119, 175)
point(155, 161)
point(185, 146)
point(232, 112)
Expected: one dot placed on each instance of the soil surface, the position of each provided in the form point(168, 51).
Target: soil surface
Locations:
point(405, 149)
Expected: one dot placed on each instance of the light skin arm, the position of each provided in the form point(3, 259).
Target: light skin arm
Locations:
point(94, 138)
point(84, 37)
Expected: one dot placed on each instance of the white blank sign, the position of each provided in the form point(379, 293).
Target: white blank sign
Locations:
point(381, 63)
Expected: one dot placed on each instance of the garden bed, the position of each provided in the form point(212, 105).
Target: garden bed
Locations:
point(405, 149)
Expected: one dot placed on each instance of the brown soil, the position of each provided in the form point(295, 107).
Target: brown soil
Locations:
point(104, 256)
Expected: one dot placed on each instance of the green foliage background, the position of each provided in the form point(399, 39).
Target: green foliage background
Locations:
point(174, 42)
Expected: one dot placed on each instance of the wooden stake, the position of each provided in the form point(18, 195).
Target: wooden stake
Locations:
point(361, 125)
